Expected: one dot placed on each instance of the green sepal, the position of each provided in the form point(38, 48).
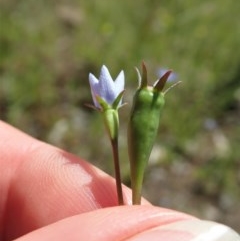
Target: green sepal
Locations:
point(144, 81)
point(102, 103)
point(116, 102)
point(110, 115)
point(111, 121)
point(159, 85)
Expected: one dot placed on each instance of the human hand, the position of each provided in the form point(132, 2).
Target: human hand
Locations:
point(49, 194)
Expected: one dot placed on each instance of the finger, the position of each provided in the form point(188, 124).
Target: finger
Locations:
point(13, 145)
point(116, 223)
point(42, 184)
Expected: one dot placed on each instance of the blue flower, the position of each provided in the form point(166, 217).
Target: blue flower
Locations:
point(106, 89)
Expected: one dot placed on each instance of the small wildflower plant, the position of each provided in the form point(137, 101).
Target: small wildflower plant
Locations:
point(107, 98)
point(148, 103)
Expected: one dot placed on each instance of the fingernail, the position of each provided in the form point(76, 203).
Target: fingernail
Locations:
point(191, 230)
point(160, 234)
point(217, 232)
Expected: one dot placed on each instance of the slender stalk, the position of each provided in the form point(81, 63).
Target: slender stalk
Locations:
point(136, 184)
point(115, 151)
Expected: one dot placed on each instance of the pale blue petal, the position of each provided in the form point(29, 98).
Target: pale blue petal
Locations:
point(94, 85)
point(106, 85)
point(119, 82)
point(93, 81)
point(105, 75)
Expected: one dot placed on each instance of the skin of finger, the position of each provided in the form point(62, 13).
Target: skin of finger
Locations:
point(42, 184)
point(115, 223)
point(12, 152)
point(48, 184)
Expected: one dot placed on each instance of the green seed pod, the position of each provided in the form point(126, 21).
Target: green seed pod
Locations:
point(143, 126)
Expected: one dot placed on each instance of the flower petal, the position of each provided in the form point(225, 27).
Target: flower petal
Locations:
point(94, 85)
point(106, 85)
point(119, 82)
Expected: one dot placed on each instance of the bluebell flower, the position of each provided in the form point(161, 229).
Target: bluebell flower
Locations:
point(105, 91)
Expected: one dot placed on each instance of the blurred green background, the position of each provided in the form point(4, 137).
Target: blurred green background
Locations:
point(48, 48)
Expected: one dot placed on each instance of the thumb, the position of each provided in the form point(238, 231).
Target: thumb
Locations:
point(132, 223)
point(115, 223)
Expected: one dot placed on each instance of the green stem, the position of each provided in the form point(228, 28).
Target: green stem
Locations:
point(136, 184)
point(114, 143)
